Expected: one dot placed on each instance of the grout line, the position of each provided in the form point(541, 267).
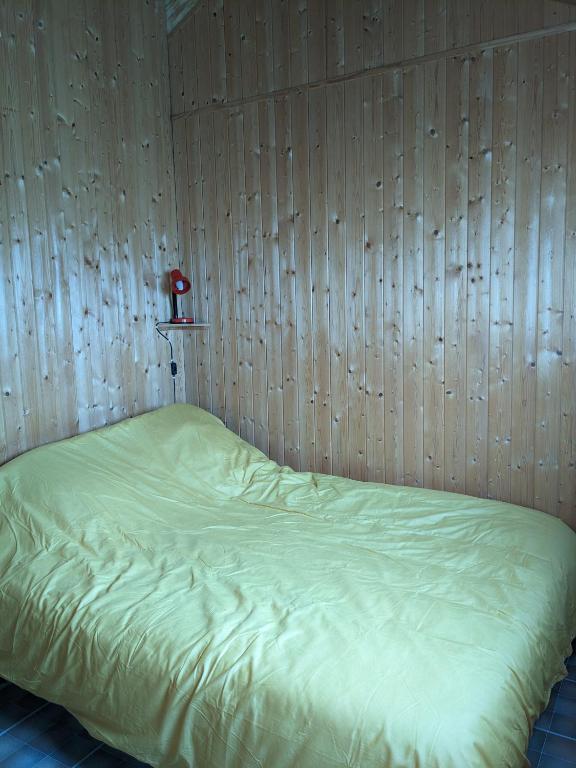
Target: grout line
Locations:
point(540, 755)
point(22, 719)
point(93, 751)
point(557, 733)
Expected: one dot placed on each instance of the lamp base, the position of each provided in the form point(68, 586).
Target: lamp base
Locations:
point(182, 320)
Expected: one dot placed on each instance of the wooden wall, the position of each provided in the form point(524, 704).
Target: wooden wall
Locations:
point(87, 215)
point(387, 260)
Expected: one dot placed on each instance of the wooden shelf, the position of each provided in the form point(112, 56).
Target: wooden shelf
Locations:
point(183, 326)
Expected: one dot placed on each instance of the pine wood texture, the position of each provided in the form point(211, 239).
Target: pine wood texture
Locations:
point(87, 216)
point(176, 11)
point(398, 248)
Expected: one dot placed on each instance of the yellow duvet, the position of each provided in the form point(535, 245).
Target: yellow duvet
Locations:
point(194, 604)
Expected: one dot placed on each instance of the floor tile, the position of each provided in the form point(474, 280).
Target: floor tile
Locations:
point(9, 744)
point(533, 756)
point(25, 757)
point(565, 725)
point(67, 746)
point(52, 738)
point(565, 706)
point(76, 750)
point(537, 740)
point(34, 725)
point(101, 759)
point(10, 713)
point(50, 762)
point(558, 746)
point(568, 689)
point(545, 719)
point(546, 761)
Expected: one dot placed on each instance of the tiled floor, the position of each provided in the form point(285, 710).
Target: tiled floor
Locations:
point(34, 734)
point(553, 743)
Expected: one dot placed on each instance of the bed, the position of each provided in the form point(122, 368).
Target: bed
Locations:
point(194, 604)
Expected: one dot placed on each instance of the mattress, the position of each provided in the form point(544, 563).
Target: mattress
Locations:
point(194, 604)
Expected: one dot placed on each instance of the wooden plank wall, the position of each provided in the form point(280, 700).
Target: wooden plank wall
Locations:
point(387, 261)
point(87, 215)
point(176, 11)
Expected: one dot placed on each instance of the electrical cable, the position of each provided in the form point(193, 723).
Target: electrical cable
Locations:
point(173, 366)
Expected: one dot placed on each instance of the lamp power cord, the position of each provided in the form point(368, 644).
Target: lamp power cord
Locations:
point(173, 366)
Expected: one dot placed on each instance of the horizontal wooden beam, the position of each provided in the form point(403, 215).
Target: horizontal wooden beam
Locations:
point(450, 53)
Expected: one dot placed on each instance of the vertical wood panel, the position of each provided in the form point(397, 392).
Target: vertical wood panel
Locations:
point(213, 311)
point(232, 43)
point(176, 71)
point(299, 42)
point(189, 64)
point(241, 273)
point(285, 192)
point(271, 253)
point(226, 252)
point(320, 280)
point(281, 38)
point(528, 172)
point(567, 470)
point(335, 148)
point(459, 22)
point(456, 279)
point(248, 58)
point(434, 25)
point(334, 38)
point(393, 255)
point(354, 295)
point(197, 258)
point(354, 23)
point(88, 218)
point(413, 26)
point(256, 276)
point(372, 30)
point(264, 46)
point(413, 277)
point(372, 162)
point(405, 241)
point(502, 272)
point(303, 267)
point(316, 40)
point(434, 269)
point(218, 51)
point(551, 272)
point(479, 201)
point(392, 41)
point(181, 161)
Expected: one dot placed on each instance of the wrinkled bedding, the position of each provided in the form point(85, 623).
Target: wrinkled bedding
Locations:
point(194, 604)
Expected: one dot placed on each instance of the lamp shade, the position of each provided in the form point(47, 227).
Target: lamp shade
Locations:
point(178, 283)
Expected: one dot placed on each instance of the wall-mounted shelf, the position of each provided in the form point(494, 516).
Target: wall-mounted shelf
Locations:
point(182, 326)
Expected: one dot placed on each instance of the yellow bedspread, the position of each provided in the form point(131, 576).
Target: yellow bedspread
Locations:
point(194, 604)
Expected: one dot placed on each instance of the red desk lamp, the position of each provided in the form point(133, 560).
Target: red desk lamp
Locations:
point(179, 285)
